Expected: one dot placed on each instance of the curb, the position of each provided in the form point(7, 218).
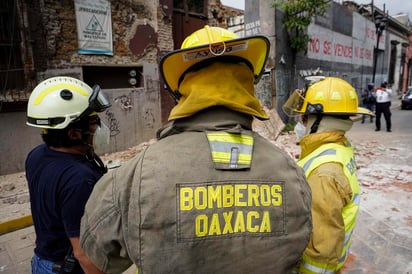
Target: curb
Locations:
point(16, 224)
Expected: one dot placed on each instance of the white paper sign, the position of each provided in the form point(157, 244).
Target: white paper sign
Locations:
point(94, 26)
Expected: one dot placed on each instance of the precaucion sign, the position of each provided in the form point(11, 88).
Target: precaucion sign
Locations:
point(94, 26)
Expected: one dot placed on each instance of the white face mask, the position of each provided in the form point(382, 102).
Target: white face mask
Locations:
point(300, 130)
point(101, 137)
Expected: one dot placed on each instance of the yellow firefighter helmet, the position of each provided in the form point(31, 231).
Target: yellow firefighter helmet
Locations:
point(325, 95)
point(213, 42)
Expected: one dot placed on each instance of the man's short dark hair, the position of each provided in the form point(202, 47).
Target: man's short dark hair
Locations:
point(60, 137)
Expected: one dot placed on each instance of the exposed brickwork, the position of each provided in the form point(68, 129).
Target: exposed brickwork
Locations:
point(142, 33)
point(60, 30)
point(141, 30)
point(218, 13)
point(37, 34)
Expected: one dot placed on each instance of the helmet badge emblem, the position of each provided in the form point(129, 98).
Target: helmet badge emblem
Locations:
point(66, 94)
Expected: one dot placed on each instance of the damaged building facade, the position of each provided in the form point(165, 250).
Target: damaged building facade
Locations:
point(40, 39)
point(343, 44)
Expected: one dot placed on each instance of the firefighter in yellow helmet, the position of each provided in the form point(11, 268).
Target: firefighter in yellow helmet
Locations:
point(62, 171)
point(326, 108)
point(211, 196)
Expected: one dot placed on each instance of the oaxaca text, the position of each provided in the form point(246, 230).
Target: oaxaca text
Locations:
point(229, 208)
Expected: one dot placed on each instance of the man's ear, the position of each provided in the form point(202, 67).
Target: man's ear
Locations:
point(74, 134)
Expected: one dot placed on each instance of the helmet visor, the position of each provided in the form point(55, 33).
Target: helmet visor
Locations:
point(294, 105)
point(97, 101)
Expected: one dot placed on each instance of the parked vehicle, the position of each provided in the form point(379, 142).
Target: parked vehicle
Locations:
point(406, 102)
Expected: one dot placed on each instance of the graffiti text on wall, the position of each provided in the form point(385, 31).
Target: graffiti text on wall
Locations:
point(124, 101)
point(327, 45)
point(252, 28)
point(113, 123)
point(149, 118)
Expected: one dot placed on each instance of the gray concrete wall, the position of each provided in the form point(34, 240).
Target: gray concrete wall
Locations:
point(135, 113)
point(17, 139)
point(133, 118)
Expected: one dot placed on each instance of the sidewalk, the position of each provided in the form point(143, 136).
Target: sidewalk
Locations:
point(16, 250)
point(375, 249)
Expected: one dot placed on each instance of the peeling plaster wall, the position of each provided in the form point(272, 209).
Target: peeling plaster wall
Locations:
point(135, 113)
point(141, 31)
point(134, 26)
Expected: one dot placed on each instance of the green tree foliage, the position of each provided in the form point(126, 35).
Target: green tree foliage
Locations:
point(298, 15)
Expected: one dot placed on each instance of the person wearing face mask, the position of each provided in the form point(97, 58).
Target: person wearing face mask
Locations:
point(326, 107)
point(62, 171)
point(300, 129)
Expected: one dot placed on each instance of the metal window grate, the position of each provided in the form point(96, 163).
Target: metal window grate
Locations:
point(11, 65)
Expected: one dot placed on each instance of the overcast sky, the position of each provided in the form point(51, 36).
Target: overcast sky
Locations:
point(394, 6)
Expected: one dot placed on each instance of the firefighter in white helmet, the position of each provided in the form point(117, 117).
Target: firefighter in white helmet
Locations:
point(62, 171)
point(211, 196)
point(326, 107)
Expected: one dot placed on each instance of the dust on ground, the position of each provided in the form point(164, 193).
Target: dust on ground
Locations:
point(14, 192)
point(386, 184)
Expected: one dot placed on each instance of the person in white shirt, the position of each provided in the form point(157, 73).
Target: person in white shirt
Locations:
point(383, 104)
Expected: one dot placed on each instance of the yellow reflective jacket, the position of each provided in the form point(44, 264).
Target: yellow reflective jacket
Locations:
point(330, 168)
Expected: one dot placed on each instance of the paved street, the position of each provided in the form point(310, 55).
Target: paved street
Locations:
point(16, 250)
point(383, 234)
point(375, 249)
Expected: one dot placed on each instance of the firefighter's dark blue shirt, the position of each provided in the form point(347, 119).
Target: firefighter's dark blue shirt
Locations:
point(59, 185)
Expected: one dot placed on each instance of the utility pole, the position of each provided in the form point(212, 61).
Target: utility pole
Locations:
point(380, 24)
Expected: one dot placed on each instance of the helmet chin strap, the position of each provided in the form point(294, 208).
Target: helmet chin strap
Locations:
point(315, 126)
point(94, 159)
point(89, 153)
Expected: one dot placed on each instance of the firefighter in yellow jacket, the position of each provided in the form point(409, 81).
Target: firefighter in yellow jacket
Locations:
point(326, 108)
point(211, 196)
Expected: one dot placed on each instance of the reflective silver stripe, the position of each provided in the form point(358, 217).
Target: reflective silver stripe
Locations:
point(347, 237)
point(225, 147)
point(317, 269)
point(346, 246)
point(230, 150)
point(326, 152)
point(342, 259)
point(234, 156)
point(356, 199)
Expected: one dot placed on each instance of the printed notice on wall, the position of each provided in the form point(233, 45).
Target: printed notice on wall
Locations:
point(94, 27)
